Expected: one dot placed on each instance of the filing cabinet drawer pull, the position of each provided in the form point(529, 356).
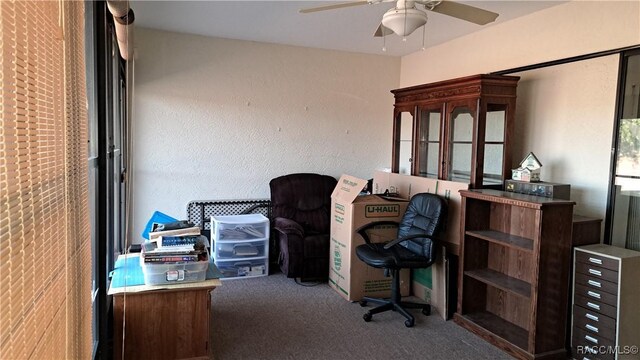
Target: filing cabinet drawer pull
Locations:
point(589, 349)
point(592, 317)
point(585, 358)
point(593, 306)
point(595, 261)
point(592, 328)
point(593, 294)
point(595, 272)
point(590, 338)
point(594, 283)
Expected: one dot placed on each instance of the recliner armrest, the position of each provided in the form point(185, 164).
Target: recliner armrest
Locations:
point(288, 226)
point(363, 229)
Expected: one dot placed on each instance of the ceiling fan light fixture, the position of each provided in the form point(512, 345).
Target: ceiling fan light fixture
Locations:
point(404, 21)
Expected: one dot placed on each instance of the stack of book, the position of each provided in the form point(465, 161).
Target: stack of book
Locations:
point(175, 250)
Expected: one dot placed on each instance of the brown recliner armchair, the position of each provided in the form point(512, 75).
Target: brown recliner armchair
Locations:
point(301, 205)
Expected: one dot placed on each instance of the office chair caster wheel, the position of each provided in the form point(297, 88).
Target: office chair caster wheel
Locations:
point(367, 316)
point(363, 303)
point(426, 311)
point(408, 323)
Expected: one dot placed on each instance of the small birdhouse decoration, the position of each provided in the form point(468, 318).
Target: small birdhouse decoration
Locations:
point(529, 169)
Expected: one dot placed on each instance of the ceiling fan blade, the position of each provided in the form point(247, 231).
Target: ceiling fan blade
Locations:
point(465, 12)
point(333, 6)
point(382, 31)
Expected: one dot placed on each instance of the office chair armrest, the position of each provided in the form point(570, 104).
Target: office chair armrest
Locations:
point(288, 227)
point(414, 236)
point(363, 229)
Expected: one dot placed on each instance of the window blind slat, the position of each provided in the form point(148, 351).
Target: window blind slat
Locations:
point(44, 257)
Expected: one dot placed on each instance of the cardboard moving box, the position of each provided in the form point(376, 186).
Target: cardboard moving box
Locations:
point(348, 275)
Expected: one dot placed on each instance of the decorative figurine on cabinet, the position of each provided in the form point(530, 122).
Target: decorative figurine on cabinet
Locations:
point(529, 169)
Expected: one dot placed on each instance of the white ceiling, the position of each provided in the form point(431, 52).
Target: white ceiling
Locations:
point(349, 29)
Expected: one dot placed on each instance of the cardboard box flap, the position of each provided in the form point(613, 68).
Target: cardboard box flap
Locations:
point(348, 188)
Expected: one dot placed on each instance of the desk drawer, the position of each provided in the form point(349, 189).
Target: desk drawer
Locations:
point(593, 322)
point(596, 306)
point(597, 284)
point(597, 295)
point(597, 272)
point(597, 260)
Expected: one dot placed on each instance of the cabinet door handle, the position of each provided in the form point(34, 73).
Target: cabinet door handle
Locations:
point(593, 306)
point(590, 338)
point(592, 317)
point(591, 350)
point(595, 261)
point(592, 328)
point(595, 272)
point(593, 294)
point(594, 283)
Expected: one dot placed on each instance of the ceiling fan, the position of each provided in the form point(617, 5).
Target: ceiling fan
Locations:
point(406, 17)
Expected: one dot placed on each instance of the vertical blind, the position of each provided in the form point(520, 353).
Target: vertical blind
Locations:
point(45, 246)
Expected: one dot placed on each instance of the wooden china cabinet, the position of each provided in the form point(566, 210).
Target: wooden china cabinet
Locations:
point(458, 130)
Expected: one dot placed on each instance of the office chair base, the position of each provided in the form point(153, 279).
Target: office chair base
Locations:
point(399, 306)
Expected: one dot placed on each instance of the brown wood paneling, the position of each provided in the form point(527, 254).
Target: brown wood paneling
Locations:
point(162, 324)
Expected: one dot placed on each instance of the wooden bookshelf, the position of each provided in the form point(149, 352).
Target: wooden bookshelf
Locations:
point(514, 271)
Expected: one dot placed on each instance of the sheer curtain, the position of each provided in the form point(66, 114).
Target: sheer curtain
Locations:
point(45, 248)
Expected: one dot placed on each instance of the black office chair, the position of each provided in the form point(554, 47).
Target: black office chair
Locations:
point(414, 248)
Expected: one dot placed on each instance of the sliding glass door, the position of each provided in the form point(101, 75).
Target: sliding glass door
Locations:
point(623, 217)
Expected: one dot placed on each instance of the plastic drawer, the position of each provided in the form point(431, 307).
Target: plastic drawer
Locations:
point(240, 250)
point(243, 268)
point(159, 274)
point(240, 227)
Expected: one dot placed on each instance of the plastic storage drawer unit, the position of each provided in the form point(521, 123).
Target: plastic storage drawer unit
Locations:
point(160, 274)
point(241, 245)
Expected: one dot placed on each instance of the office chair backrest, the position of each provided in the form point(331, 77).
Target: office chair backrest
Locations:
point(304, 198)
point(425, 214)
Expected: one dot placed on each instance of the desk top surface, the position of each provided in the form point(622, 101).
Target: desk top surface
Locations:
point(128, 269)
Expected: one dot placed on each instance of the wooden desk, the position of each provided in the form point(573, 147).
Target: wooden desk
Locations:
point(162, 322)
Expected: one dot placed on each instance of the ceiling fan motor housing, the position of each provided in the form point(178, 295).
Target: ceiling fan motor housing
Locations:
point(404, 21)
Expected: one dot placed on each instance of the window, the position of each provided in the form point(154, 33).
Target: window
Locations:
point(45, 258)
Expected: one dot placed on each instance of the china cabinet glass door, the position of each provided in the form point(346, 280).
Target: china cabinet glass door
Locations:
point(461, 120)
point(494, 144)
point(428, 151)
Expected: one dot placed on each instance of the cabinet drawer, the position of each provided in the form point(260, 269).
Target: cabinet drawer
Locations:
point(597, 284)
point(597, 260)
point(243, 268)
point(584, 352)
point(591, 346)
point(597, 295)
point(595, 305)
point(597, 272)
point(240, 250)
point(593, 322)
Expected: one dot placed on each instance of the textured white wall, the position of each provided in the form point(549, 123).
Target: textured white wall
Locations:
point(565, 113)
point(217, 119)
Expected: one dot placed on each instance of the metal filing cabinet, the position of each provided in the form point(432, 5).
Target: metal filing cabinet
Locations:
point(606, 303)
